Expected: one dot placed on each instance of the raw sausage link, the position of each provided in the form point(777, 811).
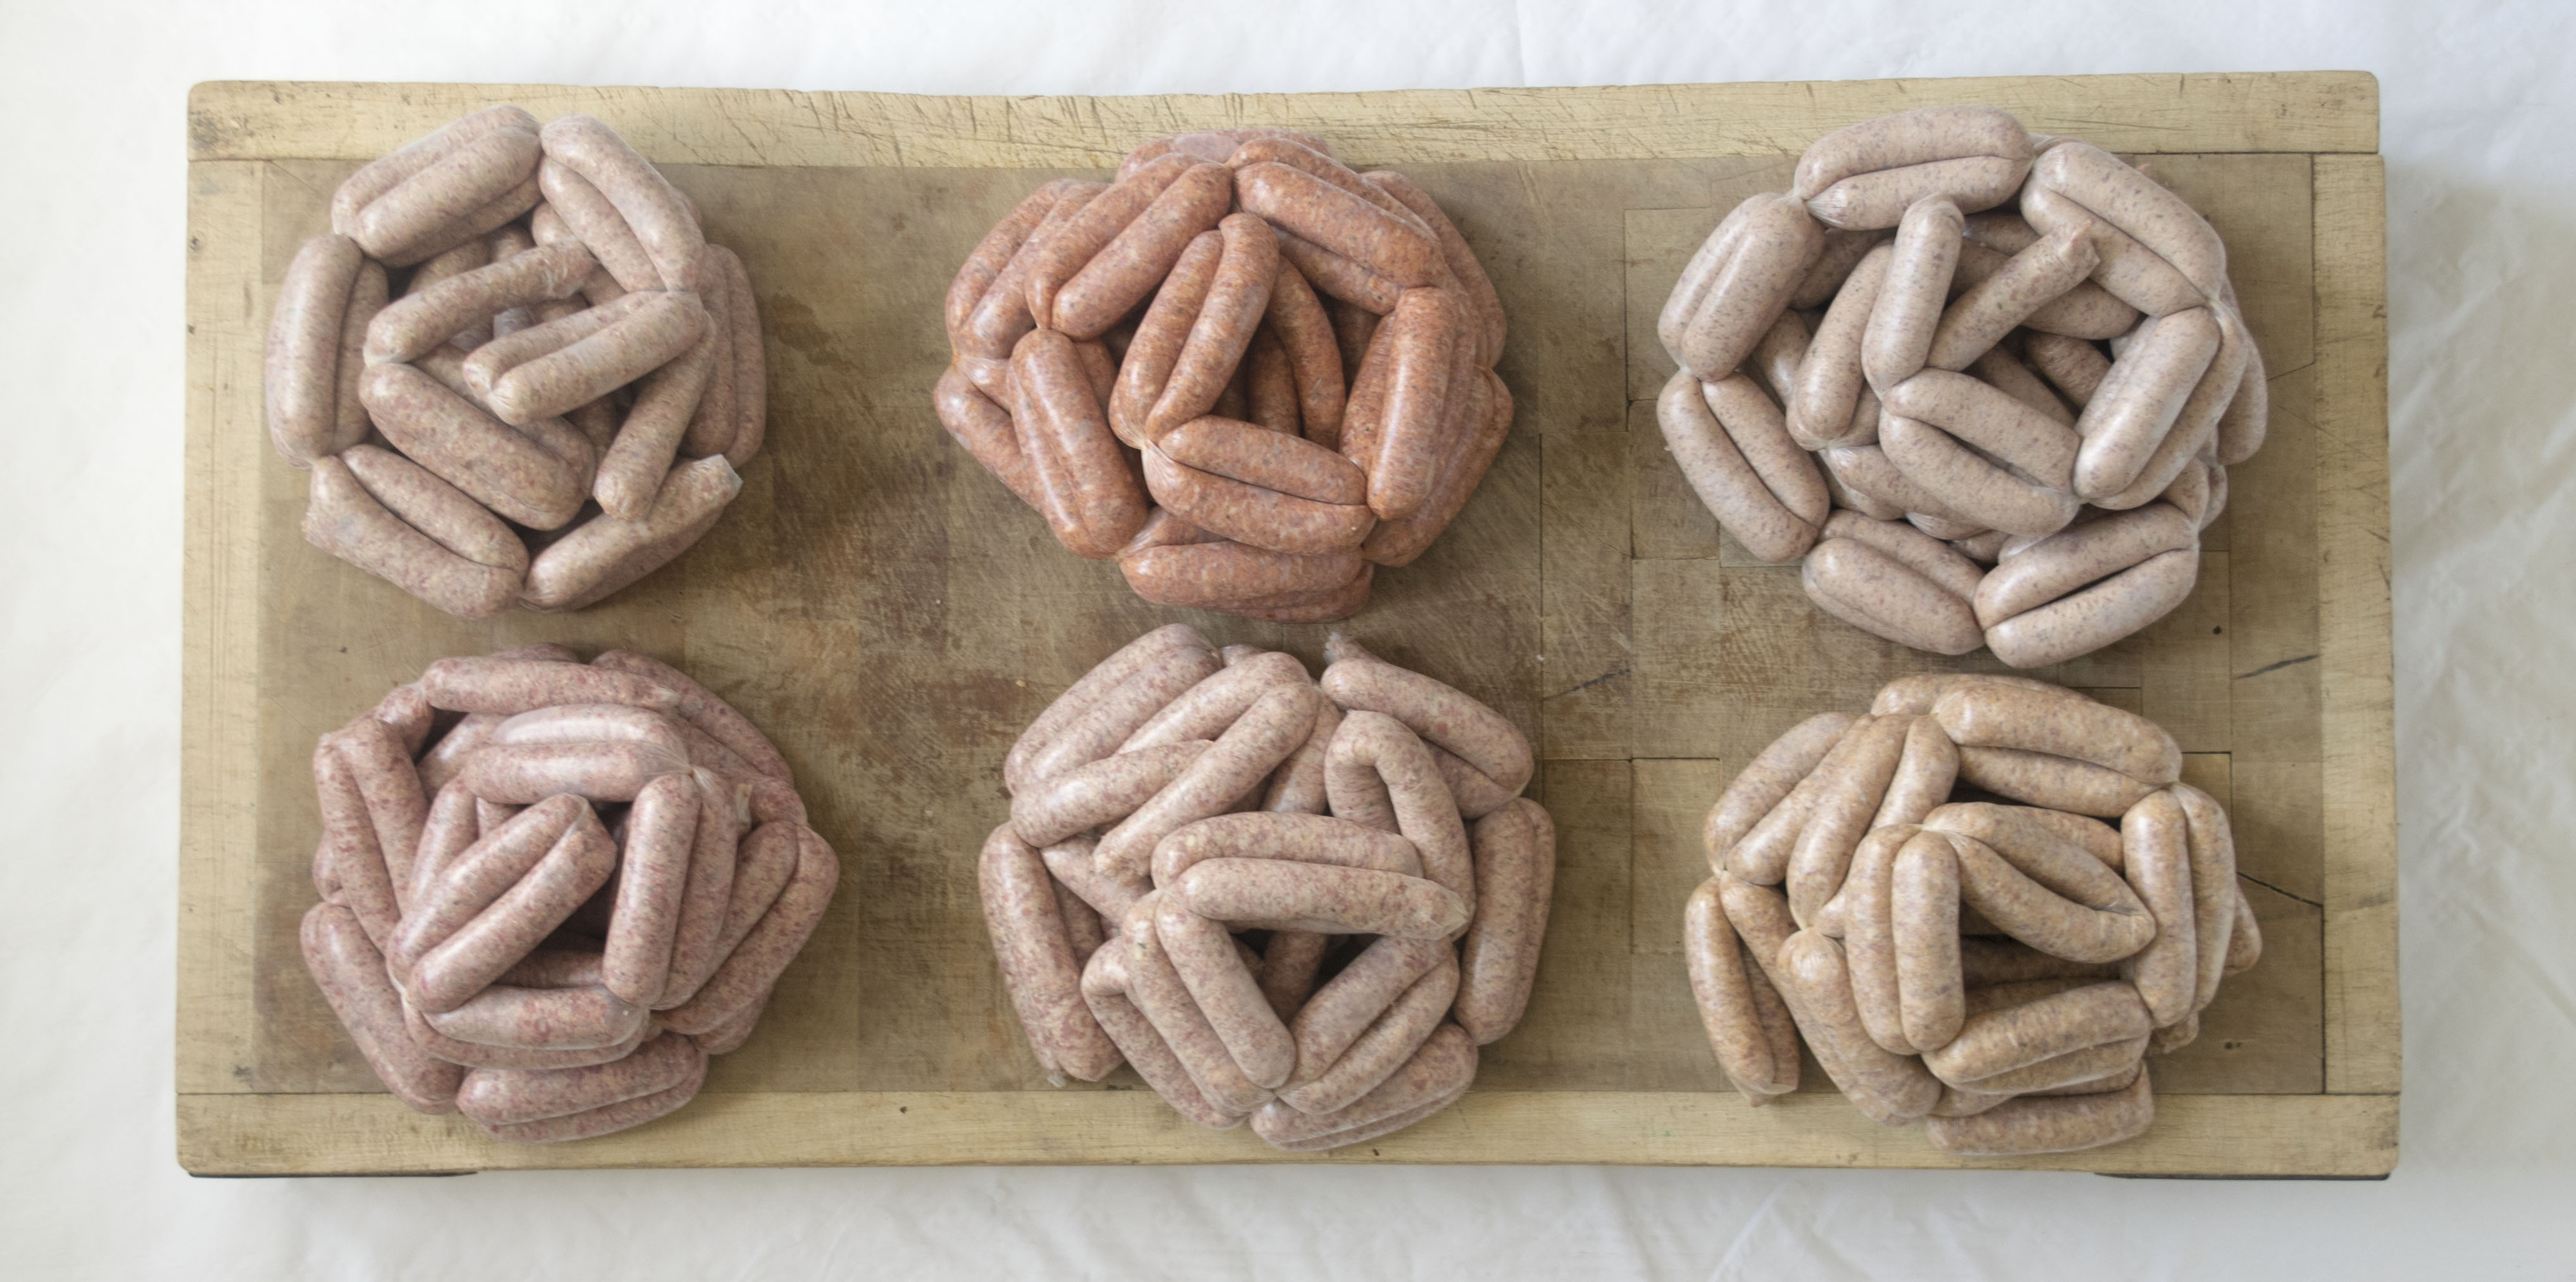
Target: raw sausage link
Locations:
point(1038, 964)
point(2061, 722)
point(1440, 713)
point(1766, 780)
point(2064, 1125)
point(1515, 881)
point(351, 975)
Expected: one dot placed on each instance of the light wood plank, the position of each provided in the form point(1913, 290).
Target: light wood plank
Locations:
point(2355, 671)
point(2348, 1136)
point(220, 612)
point(2277, 111)
point(893, 618)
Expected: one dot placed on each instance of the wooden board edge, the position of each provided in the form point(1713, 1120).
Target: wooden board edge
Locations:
point(2289, 111)
point(2284, 1136)
point(2355, 657)
point(219, 622)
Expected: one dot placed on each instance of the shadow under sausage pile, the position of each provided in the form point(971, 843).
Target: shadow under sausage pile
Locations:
point(548, 912)
point(1949, 380)
point(557, 401)
point(1149, 365)
point(2000, 970)
point(1306, 905)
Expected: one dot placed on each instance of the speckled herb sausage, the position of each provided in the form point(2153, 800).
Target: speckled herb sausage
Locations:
point(1066, 438)
point(1766, 780)
point(1852, 781)
point(387, 172)
point(342, 518)
point(1515, 882)
point(653, 872)
point(2062, 1125)
point(1378, 772)
point(474, 175)
point(703, 709)
point(715, 850)
point(660, 217)
point(303, 374)
point(453, 437)
point(1104, 791)
point(1385, 1046)
point(1868, 936)
point(659, 329)
point(754, 965)
point(1433, 1078)
point(1924, 775)
point(1738, 284)
point(1277, 894)
point(425, 318)
point(541, 1019)
point(1923, 902)
point(2053, 567)
point(1440, 713)
point(1890, 1089)
point(1722, 983)
point(1104, 988)
point(2095, 617)
point(1922, 141)
point(2010, 1037)
point(1830, 380)
point(1298, 786)
point(1253, 514)
point(2061, 722)
point(1922, 260)
point(1288, 464)
point(606, 1119)
point(1127, 268)
point(1877, 593)
point(1992, 307)
point(2097, 927)
point(351, 975)
point(1159, 992)
point(461, 964)
point(2043, 779)
point(2155, 840)
point(1273, 727)
point(605, 554)
point(986, 430)
point(1146, 679)
point(503, 1097)
point(1476, 289)
point(1722, 435)
point(1238, 292)
point(1981, 493)
point(1393, 245)
point(1203, 954)
point(2138, 206)
point(1305, 839)
point(1150, 650)
point(1039, 967)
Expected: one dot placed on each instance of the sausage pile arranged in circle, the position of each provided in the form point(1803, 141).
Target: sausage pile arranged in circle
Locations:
point(554, 403)
point(2001, 971)
point(1303, 904)
point(1246, 371)
point(550, 890)
point(1897, 370)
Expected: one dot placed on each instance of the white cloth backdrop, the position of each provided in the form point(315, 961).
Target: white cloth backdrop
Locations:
point(2479, 111)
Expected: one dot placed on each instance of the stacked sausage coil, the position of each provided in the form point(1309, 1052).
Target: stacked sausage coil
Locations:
point(2000, 971)
point(1249, 373)
point(555, 404)
point(1896, 370)
point(547, 912)
point(1303, 904)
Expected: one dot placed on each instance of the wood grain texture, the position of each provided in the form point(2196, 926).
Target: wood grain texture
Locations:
point(2347, 1136)
point(2358, 724)
point(2309, 111)
point(893, 617)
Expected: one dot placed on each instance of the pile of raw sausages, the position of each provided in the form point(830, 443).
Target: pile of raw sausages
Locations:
point(546, 913)
point(1999, 970)
point(555, 403)
point(1306, 905)
point(1249, 373)
point(1981, 471)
